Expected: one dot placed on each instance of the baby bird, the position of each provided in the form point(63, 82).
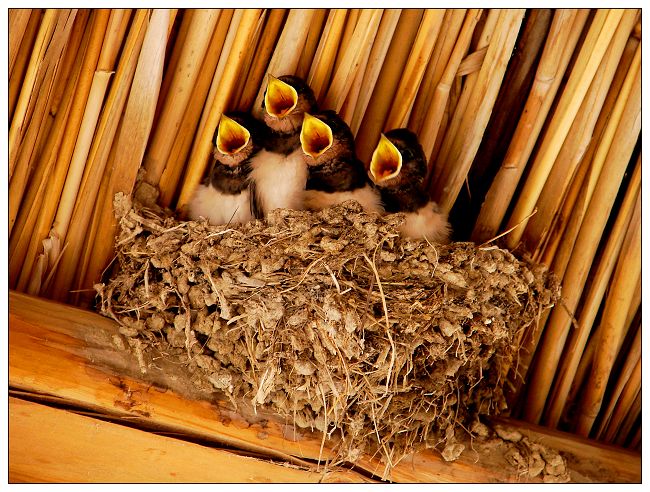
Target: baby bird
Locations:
point(335, 172)
point(224, 197)
point(398, 168)
point(278, 172)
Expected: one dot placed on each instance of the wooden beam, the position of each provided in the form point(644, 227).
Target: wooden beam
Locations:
point(72, 356)
point(52, 445)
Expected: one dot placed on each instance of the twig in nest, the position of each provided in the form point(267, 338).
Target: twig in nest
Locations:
point(509, 230)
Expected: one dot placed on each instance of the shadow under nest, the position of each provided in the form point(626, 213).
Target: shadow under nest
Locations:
point(330, 320)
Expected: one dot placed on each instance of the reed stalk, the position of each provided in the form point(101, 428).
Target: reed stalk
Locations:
point(347, 68)
point(351, 24)
point(39, 122)
point(285, 56)
point(133, 135)
point(201, 151)
point(451, 25)
point(372, 123)
point(598, 39)
point(263, 53)
point(31, 84)
point(562, 38)
point(95, 168)
point(606, 189)
point(592, 173)
point(591, 301)
point(413, 72)
point(434, 115)
point(633, 417)
point(311, 43)
point(32, 204)
point(18, 21)
point(577, 140)
point(477, 113)
point(203, 23)
point(376, 60)
point(247, 63)
point(561, 219)
point(628, 384)
point(347, 108)
point(169, 181)
point(613, 326)
point(323, 62)
point(22, 58)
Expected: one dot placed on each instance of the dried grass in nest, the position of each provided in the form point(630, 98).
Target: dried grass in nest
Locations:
point(329, 319)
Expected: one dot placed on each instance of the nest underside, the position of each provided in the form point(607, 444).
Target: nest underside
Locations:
point(330, 320)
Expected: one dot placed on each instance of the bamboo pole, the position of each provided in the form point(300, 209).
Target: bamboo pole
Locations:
point(432, 123)
point(413, 72)
point(170, 179)
point(600, 34)
point(38, 125)
point(202, 25)
point(451, 25)
point(577, 140)
point(605, 191)
point(476, 116)
point(285, 56)
point(562, 38)
point(628, 384)
point(39, 203)
point(22, 58)
point(376, 59)
point(133, 134)
point(348, 67)
point(349, 104)
point(87, 197)
point(201, 151)
point(592, 299)
point(372, 123)
point(617, 305)
point(593, 172)
point(311, 43)
point(263, 54)
point(561, 219)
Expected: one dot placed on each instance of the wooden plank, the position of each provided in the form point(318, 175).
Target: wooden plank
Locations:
point(52, 445)
point(70, 354)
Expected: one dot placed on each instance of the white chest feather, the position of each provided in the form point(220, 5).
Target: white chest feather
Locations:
point(279, 180)
point(427, 222)
point(220, 208)
point(367, 197)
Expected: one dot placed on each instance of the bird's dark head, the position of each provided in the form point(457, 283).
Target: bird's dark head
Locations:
point(325, 136)
point(235, 139)
point(398, 161)
point(285, 100)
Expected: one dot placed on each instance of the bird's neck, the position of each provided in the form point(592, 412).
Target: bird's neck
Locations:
point(282, 143)
point(229, 179)
point(338, 174)
point(403, 199)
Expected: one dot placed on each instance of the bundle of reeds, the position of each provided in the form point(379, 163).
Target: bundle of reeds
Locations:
point(110, 100)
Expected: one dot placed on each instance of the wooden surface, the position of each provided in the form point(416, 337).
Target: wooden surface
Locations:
point(59, 355)
point(52, 445)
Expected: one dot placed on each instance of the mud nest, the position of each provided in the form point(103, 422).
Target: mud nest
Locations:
point(329, 319)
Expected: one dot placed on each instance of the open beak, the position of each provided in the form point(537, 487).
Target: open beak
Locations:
point(315, 137)
point(280, 98)
point(386, 161)
point(231, 136)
